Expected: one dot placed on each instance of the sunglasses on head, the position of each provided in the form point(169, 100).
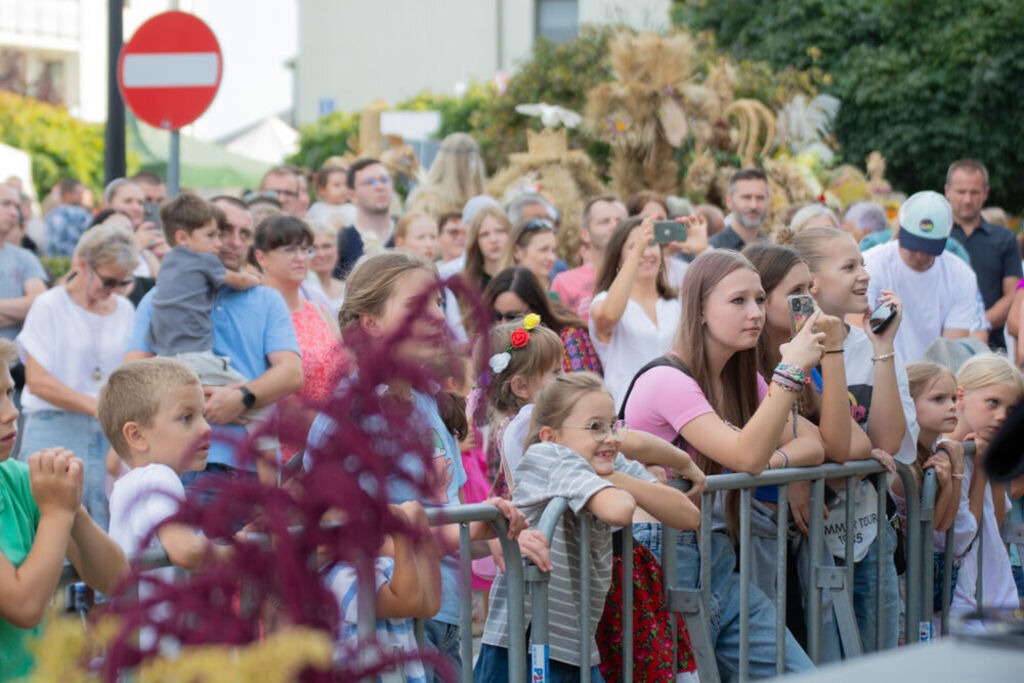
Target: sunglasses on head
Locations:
point(539, 224)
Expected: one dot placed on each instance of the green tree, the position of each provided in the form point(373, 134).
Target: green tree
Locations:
point(60, 146)
point(924, 83)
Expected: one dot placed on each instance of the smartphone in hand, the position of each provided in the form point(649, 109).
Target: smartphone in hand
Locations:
point(882, 317)
point(669, 231)
point(801, 307)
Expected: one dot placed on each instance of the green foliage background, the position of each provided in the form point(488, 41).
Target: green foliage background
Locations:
point(924, 82)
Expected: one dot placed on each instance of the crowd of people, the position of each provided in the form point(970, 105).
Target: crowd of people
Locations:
point(186, 327)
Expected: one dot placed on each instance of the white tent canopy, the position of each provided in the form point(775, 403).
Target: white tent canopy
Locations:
point(270, 140)
point(14, 162)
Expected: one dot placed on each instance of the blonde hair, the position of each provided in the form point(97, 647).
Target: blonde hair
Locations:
point(372, 282)
point(457, 172)
point(542, 352)
point(402, 226)
point(922, 373)
point(8, 351)
point(803, 216)
point(556, 401)
point(107, 245)
point(988, 369)
point(133, 393)
point(810, 243)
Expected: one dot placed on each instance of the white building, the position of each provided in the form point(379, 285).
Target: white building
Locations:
point(353, 52)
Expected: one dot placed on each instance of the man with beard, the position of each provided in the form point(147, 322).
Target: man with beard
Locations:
point(748, 203)
point(576, 286)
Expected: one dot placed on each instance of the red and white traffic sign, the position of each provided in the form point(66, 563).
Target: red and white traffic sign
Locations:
point(170, 70)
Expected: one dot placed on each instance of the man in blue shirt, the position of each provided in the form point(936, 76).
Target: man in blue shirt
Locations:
point(66, 223)
point(254, 329)
point(995, 255)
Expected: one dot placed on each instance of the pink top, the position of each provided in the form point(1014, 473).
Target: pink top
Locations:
point(576, 288)
point(664, 400)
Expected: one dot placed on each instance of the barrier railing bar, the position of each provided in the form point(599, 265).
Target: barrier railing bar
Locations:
point(745, 501)
point(881, 480)
point(781, 568)
point(947, 579)
point(742, 480)
point(848, 563)
point(627, 603)
point(669, 561)
point(704, 545)
point(466, 608)
point(979, 587)
point(816, 542)
point(366, 611)
point(583, 522)
point(911, 493)
point(928, 491)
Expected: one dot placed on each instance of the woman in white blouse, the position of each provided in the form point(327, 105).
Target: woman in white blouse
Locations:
point(74, 336)
point(634, 313)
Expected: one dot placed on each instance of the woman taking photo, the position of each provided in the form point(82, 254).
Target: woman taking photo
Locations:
point(712, 396)
point(634, 313)
point(282, 248)
point(74, 336)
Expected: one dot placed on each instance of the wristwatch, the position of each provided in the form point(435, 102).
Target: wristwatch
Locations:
point(248, 398)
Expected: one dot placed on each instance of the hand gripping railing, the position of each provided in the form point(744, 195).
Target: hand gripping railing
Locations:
point(459, 514)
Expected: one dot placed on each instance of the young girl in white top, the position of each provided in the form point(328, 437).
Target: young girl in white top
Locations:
point(575, 441)
point(988, 388)
point(634, 313)
point(523, 357)
point(934, 390)
point(880, 403)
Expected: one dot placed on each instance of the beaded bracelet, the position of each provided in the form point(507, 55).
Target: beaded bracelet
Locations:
point(785, 383)
point(792, 371)
point(884, 356)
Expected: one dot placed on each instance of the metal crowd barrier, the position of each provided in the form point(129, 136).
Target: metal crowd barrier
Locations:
point(692, 603)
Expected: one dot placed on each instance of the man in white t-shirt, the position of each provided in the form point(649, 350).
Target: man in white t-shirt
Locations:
point(939, 291)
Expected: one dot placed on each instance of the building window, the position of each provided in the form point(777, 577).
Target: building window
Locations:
point(557, 20)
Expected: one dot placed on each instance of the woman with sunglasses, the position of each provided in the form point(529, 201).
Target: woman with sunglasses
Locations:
point(515, 292)
point(532, 245)
point(74, 336)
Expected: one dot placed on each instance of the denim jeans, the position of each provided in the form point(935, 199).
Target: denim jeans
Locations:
point(492, 667)
point(724, 607)
point(865, 602)
point(446, 639)
point(82, 435)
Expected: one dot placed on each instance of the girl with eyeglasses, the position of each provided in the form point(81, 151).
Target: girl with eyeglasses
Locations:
point(515, 292)
point(574, 452)
point(74, 336)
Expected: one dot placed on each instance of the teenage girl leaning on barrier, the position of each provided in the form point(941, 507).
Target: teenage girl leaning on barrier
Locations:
point(729, 418)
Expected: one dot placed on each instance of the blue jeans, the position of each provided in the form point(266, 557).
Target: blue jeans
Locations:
point(446, 639)
point(865, 605)
point(492, 667)
point(1018, 578)
point(82, 435)
point(724, 608)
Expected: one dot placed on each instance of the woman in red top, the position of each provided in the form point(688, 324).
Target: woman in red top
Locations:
point(282, 249)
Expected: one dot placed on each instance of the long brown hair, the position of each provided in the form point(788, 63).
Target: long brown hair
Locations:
point(773, 262)
point(613, 254)
point(524, 284)
point(473, 271)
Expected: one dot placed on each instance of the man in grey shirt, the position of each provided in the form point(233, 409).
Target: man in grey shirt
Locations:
point(22, 277)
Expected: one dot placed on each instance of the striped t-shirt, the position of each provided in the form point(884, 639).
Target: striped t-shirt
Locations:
point(548, 471)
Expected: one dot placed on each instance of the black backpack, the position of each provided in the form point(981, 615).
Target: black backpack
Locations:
point(671, 360)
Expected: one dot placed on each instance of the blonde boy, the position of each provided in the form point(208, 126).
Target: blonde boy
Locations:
point(151, 411)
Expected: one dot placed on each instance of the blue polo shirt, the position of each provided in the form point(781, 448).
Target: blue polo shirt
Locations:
point(248, 325)
point(994, 255)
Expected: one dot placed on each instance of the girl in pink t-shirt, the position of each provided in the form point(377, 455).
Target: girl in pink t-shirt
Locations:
point(729, 419)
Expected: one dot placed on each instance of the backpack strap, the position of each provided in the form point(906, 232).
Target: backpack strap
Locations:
point(670, 360)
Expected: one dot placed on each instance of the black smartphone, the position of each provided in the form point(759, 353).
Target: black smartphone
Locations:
point(152, 213)
point(669, 231)
point(881, 317)
point(801, 307)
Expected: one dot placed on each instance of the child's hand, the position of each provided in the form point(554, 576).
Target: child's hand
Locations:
point(955, 450)
point(516, 519)
point(941, 463)
point(468, 443)
point(980, 446)
point(698, 482)
point(834, 331)
point(56, 477)
point(534, 547)
point(884, 458)
point(805, 348)
point(246, 281)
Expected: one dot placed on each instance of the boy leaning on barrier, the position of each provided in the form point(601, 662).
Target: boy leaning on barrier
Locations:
point(42, 521)
point(151, 411)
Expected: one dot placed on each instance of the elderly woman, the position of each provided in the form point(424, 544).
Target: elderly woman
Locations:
point(74, 336)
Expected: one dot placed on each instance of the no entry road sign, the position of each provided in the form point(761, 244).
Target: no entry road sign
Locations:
point(170, 70)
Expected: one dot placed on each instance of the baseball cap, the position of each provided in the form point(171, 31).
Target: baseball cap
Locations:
point(925, 220)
